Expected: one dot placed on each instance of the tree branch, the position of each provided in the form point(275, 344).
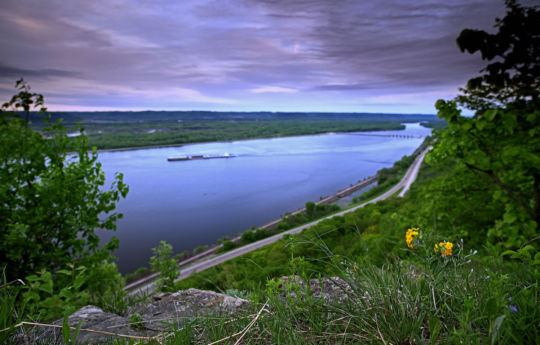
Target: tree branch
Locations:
point(536, 191)
point(505, 187)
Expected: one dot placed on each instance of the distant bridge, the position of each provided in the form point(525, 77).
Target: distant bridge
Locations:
point(405, 136)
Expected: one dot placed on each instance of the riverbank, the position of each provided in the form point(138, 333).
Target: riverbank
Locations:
point(199, 202)
point(426, 124)
point(212, 260)
point(406, 168)
point(214, 249)
point(401, 168)
point(128, 130)
point(147, 147)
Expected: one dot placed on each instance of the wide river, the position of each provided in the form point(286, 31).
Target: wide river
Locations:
point(191, 203)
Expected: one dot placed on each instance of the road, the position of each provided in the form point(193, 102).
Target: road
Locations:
point(405, 183)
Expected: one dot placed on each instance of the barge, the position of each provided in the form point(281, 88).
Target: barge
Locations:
point(196, 157)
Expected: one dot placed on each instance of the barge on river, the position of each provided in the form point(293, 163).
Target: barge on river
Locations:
point(196, 157)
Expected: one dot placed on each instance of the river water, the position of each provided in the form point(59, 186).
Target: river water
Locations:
point(191, 203)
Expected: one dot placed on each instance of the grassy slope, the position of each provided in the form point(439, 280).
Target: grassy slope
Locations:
point(401, 296)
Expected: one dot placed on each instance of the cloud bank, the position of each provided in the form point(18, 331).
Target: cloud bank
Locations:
point(306, 55)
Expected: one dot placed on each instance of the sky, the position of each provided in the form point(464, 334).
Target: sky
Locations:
point(389, 56)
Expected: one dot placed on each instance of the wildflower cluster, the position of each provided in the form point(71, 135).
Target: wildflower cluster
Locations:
point(349, 267)
point(415, 241)
point(411, 235)
point(445, 248)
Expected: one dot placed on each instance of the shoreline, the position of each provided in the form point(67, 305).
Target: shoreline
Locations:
point(212, 249)
point(147, 147)
point(335, 196)
point(191, 265)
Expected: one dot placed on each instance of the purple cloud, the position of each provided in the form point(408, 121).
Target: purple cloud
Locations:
point(312, 55)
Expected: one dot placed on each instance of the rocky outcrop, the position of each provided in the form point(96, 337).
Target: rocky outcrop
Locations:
point(185, 304)
point(333, 289)
point(94, 318)
point(144, 320)
point(171, 310)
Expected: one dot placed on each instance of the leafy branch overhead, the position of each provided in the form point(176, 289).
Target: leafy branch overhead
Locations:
point(500, 144)
point(513, 77)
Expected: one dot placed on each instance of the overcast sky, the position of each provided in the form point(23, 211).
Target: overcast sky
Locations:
point(391, 56)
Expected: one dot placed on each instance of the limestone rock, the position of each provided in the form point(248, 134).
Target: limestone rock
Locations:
point(92, 318)
point(333, 289)
point(168, 311)
point(186, 304)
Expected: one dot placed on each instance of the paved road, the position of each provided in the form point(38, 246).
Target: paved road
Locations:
point(405, 183)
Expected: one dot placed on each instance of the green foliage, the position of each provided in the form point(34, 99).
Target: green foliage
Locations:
point(453, 201)
point(200, 249)
point(136, 129)
point(273, 286)
point(387, 177)
point(310, 209)
point(70, 338)
point(50, 202)
point(136, 321)
point(500, 144)
point(500, 149)
point(165, 264)
point(313, 212)
point(171, 133)
point(513, 79)
point(432, 299)
point(228, 245)
point(527, 254)
point(105, 286)
point(11, 312)
point(46, 301)
point(139, 273)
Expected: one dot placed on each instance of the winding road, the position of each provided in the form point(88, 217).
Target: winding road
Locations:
point(404, 185)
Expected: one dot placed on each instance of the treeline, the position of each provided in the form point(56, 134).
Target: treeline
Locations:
point(313, 211)
point(111, 130)
point(137, 135)
point(111, 117)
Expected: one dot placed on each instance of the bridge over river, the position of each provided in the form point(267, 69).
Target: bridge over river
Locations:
point(391, 135)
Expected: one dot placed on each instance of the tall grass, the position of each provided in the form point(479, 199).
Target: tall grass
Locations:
point(393, 304)
point(11, 312)
point(426, 298)
point(423, 298)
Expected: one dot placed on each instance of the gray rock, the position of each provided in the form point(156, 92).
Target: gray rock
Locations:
point(332, 289)
point(173, 309)
point(165, 312)
point(96, 319)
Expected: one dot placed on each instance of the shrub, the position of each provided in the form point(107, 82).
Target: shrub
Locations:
point(166, 265)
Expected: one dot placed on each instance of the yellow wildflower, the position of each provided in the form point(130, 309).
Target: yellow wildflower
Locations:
point(444, 247)
point(410, 236)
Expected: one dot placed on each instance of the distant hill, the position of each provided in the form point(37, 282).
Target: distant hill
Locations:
point(169, 116)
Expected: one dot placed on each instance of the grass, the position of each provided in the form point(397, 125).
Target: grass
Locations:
point(395, 304)
point(419, 298)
